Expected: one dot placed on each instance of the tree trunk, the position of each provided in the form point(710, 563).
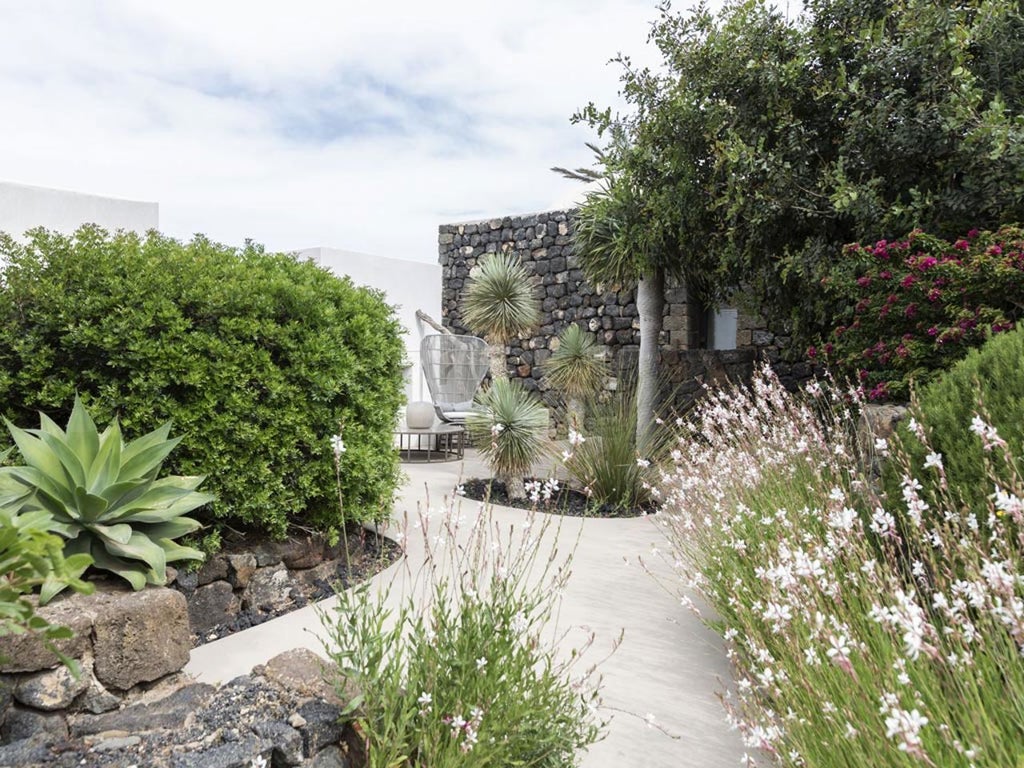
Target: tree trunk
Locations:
point(650, 303)
point(499, 364)
point(574, 413)
point(514, 485)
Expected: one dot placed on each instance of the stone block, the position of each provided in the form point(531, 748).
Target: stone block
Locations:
point(28, 753)
point(168, 713)
point(139, 636)
point(52, 689)
point(331, 757)
point(241, 567)
point(214, 569)
point(323, 726)
point(97, 699)
point(211, 605)
point(287, 742)
point(301, 672)
point(269, 590)
point(25, 723)
point(28, 653)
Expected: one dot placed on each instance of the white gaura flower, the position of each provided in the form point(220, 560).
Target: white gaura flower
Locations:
point(933, 460)
point(337, 445)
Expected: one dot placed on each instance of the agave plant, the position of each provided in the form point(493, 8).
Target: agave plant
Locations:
point(500, 305)
point(509, 427)
point(578, 369)
point(104, 496)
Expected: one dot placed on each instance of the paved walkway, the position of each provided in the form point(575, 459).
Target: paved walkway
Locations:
point(668, 665)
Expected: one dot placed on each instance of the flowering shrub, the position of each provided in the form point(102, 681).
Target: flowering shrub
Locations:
point(912, 307)
point(847, 650)
point(462, 674)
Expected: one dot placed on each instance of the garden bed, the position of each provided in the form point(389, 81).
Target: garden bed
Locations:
point(564, 501)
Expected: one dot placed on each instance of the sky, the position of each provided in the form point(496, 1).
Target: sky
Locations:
point(354, 125)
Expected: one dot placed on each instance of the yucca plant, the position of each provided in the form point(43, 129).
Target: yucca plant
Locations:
point(501, 304)
point(578, 369)
point(509, 426)
point(104, 496)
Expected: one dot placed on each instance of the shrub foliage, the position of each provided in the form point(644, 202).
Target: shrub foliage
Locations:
point(257, 359)
point(986, 386)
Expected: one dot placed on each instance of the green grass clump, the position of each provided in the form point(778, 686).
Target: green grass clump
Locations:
point(603, 456)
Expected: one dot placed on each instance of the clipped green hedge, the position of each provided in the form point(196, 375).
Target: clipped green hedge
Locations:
point(990, 377)
point(257, 359)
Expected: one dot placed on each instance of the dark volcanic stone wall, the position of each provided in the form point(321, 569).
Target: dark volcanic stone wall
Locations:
point(544, 243)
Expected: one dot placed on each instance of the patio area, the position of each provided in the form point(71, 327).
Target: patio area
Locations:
point(667, 669)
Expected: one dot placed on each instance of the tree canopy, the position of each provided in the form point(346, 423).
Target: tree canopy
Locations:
point(763, 144)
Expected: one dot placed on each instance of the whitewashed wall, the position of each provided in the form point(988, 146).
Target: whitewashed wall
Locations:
point(23, 207)
point(410, 285)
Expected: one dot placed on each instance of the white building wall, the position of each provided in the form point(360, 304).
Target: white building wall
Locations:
point(23, 207)
point(409, 285)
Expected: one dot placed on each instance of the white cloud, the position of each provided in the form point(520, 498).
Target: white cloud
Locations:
point(353, 125)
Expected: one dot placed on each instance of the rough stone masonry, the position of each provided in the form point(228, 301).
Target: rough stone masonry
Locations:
point(544, 243)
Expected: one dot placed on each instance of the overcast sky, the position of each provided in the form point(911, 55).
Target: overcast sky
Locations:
point(354, 125)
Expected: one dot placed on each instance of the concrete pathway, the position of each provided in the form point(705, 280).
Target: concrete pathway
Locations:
point(668, 665)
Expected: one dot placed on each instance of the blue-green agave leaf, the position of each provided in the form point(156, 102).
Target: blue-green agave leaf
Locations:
point(130, 572)
point(174, 551)
point(107, 464)
point(73, 468)
point(82, 435)
point(138, 547)
point(172, 529)
point(90, 507)
point(148, 461)
point(120, 533)
point(36, 453)
point(50, 427)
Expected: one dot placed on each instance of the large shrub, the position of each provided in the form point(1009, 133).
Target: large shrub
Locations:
point(911, 308)
point(256, 358)
point(986, 387)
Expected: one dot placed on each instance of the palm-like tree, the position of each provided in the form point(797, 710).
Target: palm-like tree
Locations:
point(500, 304)
point(509, 428)
point(617, 245)
point(578, 369)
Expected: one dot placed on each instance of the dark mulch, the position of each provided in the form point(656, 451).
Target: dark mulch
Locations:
point(565, 501)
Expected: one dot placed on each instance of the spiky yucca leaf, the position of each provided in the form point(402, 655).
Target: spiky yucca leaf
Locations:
point(104, 496)
point(509, 428)
point(500, 300)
